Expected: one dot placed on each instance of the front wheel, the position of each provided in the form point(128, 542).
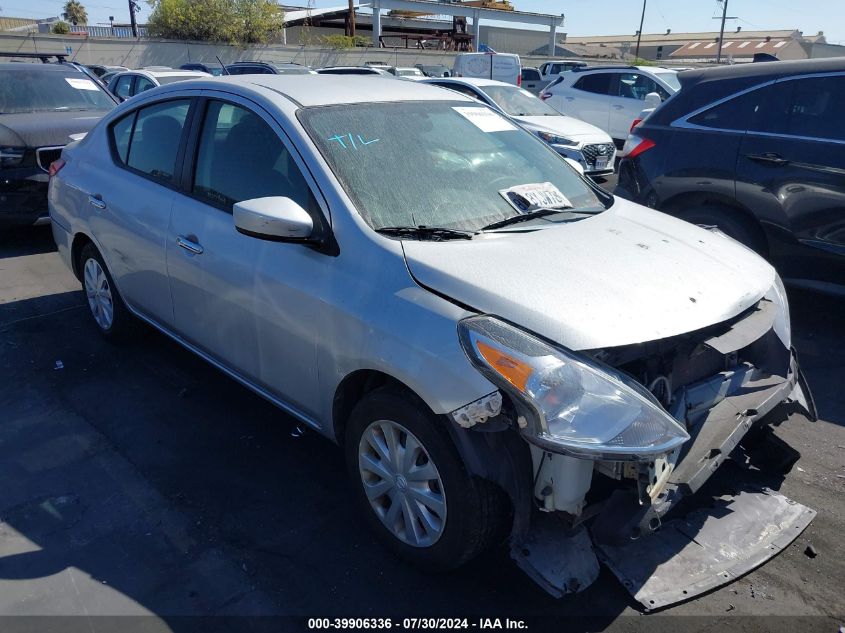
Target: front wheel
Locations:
point(412, 485)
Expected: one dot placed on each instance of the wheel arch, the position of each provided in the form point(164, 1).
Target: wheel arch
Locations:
point(677, 204)
point(80, 240)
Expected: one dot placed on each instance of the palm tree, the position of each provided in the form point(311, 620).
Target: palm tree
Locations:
point(75, 13)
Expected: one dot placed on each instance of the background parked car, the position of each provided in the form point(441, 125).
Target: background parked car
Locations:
point(354, 70)
point(130, 83)
point(406, 72)
point(268, 68)
point(435, 70)
point(610, 97)
point(499, 66)
point(41, 107)
point(550, 70)
point(592, 148)
point(759, 151)
point(532, 81)
point(215, 70)
point(100, 70)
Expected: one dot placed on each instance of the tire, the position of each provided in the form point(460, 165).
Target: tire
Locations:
point(730, 221)
point(472, 513)
point(106, 306)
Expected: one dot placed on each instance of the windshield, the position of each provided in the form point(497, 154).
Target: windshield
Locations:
point(436, 163)
point(38, 90)
point(671, 78)
point(518, 102)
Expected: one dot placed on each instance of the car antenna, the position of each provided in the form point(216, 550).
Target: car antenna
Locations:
point(225, 72)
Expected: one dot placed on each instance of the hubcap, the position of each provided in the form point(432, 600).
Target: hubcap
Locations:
point(99, 295)
point(402, 483)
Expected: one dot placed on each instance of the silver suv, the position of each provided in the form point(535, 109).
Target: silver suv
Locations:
point(503, 349)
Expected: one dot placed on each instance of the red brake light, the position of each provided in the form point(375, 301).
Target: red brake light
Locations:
point(636, 145)
point(519, 79)
point(635, 124)
point(56, 167)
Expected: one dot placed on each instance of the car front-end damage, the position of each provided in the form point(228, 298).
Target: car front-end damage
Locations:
point(619, 436)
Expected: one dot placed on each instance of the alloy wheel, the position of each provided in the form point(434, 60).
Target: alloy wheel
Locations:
point(98, 292)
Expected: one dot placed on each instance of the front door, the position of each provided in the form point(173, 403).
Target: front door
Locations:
point(246, 302)
point(791, 171)
point(628, 101)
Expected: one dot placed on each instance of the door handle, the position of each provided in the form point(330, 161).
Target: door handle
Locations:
point(618, 107)
point(769, 158)
point(96, 201)
point(189, 245)
point(570, 98)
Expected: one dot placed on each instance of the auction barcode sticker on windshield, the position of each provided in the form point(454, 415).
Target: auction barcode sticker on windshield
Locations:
point(485, 119)
point(541, 195)
point(82, 84)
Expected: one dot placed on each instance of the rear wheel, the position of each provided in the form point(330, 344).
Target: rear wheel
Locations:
point(110, 314)
point(412, 485)
point(730, 221)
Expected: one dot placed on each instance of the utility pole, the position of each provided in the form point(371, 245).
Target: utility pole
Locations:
point(722, 30)
point(132, 8)
point(350, 20)
point(640, 32)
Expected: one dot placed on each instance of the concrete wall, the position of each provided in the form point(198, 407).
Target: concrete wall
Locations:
point(139, 53)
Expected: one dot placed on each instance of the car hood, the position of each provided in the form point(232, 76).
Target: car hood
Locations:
point(40, 129)
point(565, 126)
point(625, 276)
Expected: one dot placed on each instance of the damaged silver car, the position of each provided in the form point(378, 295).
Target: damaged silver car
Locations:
point(505, 351)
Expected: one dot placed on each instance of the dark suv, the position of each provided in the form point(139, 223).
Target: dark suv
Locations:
point(267, 68)
point(757, 150)
point(43, 107)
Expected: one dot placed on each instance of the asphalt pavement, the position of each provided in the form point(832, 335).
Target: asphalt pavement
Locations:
point(136, 479)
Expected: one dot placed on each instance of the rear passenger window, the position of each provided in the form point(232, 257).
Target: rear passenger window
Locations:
point(598, 83)
point(143, 84)
point(155, 139)
point(240, 157)
point(122, 86)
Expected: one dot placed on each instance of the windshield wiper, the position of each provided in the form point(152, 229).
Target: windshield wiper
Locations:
point(524, 217)
point(426, 232)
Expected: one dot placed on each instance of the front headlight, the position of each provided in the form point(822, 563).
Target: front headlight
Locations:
point(575, 407)
point(554, 139)
point(782, 325)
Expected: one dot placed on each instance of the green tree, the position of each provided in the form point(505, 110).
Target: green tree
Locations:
point(61, 28)
point(233, 21)
point(75, 13)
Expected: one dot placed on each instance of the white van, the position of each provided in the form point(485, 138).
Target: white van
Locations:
point(499, 66)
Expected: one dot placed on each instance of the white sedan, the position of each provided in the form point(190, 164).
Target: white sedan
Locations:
point(586, 144)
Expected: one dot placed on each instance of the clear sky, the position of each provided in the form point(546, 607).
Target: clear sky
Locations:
point(583, 17)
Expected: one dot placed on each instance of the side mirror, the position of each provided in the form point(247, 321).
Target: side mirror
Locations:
point(273, 218)
point(575, 165)
point(652, 100)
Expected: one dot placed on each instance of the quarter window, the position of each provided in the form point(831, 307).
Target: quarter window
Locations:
point(598, 83)
point(121, 134)
point(240, 157)
point(155, 139)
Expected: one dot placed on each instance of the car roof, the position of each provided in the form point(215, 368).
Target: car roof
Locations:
point(762, 70)
point(472, 81)
point(319, 90)
point(51, 67)
point(165, 73)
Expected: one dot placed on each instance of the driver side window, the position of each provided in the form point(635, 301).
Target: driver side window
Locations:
point(241, 157)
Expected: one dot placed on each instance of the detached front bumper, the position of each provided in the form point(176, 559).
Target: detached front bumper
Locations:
point(663, 560)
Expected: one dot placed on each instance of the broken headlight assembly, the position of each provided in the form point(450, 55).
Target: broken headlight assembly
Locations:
point(782, 325)
point(571, 405)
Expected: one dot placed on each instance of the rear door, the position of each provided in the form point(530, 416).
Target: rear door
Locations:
point(791, 172)
point(131, 196)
